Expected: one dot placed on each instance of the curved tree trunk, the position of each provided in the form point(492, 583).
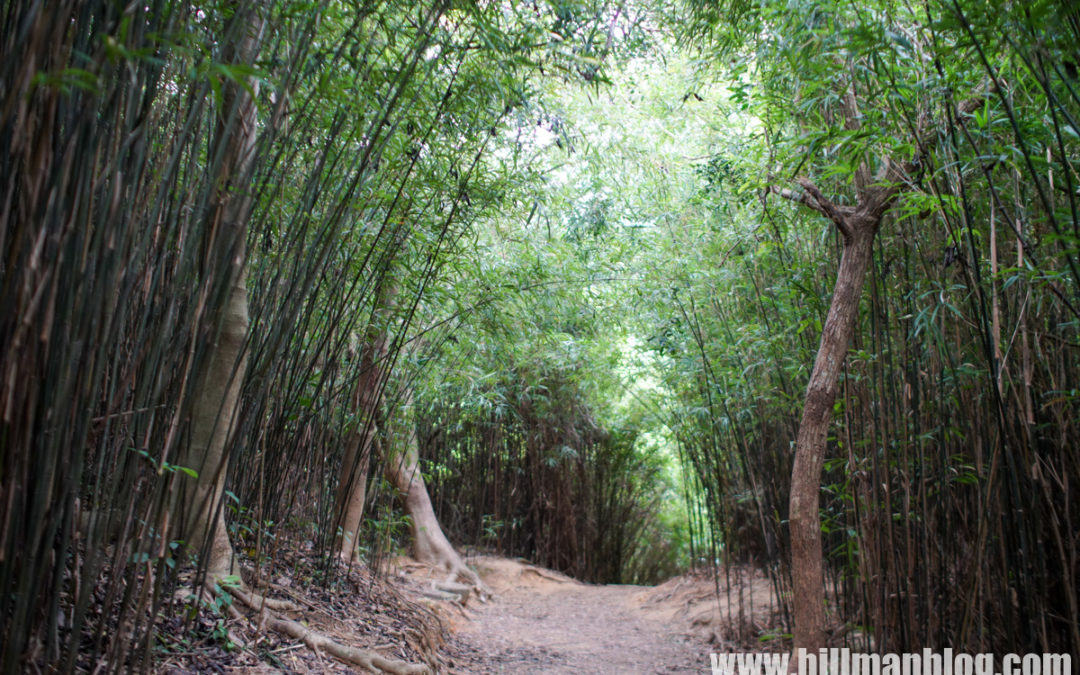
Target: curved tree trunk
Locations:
point(806, 557)
point(858, 226)
point(401, 468)
point(430, 545)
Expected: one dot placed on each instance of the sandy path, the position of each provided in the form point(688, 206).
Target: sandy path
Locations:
point(542, 622)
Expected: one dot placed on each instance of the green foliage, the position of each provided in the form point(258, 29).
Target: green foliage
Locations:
point(375, 124)
point(974, 105)
point(562, 225)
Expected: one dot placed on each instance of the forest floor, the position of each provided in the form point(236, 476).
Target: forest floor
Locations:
point(533, 620)
point(540, 621)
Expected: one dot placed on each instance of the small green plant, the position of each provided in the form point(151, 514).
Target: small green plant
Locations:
point(245, 528)
point(490, 527)
point(216, 606)
point(164, 467)
point(390, 528)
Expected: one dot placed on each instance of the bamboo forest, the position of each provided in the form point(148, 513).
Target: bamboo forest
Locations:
point(540, 336)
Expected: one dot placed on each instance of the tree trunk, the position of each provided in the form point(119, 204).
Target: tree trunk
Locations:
point(217, 394)
point(805, 522)
point(212, 421)
point(858, 226)
point(352, 488)
point(430, 545)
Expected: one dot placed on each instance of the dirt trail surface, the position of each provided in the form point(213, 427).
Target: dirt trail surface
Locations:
point(539, 621)
point(534, 621)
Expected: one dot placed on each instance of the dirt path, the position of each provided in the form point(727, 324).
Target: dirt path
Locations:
point(541, 622)
point(535, 621)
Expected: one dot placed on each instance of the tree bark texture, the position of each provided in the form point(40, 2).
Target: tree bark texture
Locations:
point(805, 522)
point(858, 226)
point(352, 487)
point(225, 317)
point(430, 544)
point(213, 418)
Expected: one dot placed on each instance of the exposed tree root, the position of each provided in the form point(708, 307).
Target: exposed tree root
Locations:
point(545, 575)
point(453, 588)
point(460, 572)
point(357, 657)
point(258, 602)
point(430, 545)
point(316, 641)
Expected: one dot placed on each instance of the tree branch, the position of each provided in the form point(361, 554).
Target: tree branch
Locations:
point(825, 206)
point(798, 197)
point(853, 122)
